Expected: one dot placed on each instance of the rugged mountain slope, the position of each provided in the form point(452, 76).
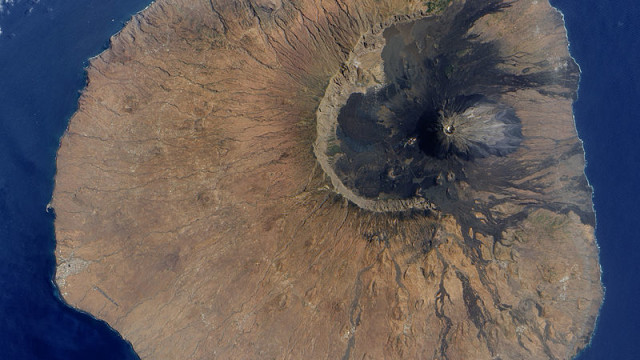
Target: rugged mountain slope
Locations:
point(199, 215)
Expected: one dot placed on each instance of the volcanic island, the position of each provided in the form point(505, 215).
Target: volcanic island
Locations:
point(332, 179)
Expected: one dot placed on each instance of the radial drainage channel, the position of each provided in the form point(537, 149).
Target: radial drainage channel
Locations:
point(417, 102)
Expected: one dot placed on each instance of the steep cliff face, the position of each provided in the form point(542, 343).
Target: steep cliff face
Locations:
point(224, 192)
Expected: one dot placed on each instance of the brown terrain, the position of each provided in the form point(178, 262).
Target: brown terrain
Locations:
point(197, 214)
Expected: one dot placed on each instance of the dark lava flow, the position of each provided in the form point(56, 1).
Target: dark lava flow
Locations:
point(439, 113)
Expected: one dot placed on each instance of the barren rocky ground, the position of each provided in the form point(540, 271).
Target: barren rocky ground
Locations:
point(194, 216)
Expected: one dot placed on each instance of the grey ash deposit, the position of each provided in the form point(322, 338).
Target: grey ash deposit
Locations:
point(438, 114)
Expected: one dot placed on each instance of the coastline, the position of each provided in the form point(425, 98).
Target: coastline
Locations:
point(173, 260)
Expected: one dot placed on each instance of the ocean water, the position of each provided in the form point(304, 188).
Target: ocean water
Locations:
point(44, 46)
point(605, 40)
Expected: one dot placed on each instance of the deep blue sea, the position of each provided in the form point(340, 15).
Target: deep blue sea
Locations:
point(44, 47)
point(605, 41)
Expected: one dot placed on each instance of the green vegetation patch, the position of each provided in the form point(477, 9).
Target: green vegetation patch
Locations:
point(333, 150)
point(437, 6)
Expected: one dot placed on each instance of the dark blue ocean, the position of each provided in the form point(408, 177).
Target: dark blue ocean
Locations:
point(44, 47)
